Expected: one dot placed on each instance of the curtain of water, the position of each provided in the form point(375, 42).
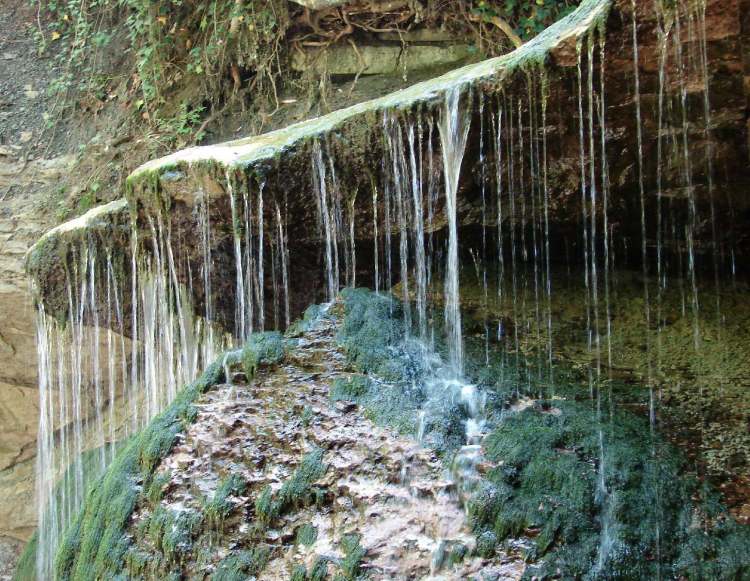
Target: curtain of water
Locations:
point(95, 389)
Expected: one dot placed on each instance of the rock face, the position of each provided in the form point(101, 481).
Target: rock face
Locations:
point(20, 227)
point(355, 143)
point(379, 60)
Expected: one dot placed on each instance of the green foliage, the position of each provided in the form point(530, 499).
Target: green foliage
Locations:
point(262, 349)
point(299, 573)
point(201, 45)
point(184, 122)
point(528, 17)
point(307, 534)
point(242, 564)
point(94, 546)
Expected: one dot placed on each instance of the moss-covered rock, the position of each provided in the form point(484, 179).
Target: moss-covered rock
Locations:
point(262, 349)
point(300, 326)
point(220, 506)
point(599, 493)
point(350, 388)
point(307, 534)
point(241, 565)
point(94, 546)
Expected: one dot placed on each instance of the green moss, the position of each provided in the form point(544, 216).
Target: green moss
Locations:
point(370, 331)
point(549, 483)
point(351, 388)
point(138, 563)
point(300, 326)
point(307, 415)
point(319, 571)
point(588, 518)
point(242, 564)
point(486, 544)
point(299, 573)
point(220, 506)
point(94, 546)
point(298, 488)
point(26, 567)
point(307, 534)
point(178, 537)
point(265, 507)
point(296, 491)
point(158, 523)
point(156, 489)
point(373, 336)
point(353, 554)
point(458, 554)
point(262, 349)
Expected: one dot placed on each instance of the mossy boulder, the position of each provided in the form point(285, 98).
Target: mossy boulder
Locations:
point(262, 349)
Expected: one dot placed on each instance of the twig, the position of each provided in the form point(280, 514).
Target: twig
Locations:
point(502, 25)
point(362, 67)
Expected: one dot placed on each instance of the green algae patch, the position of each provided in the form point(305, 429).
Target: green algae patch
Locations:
point(95, 545)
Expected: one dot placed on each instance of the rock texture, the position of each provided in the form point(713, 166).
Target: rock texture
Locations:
point(380, 59)
point(20, 226)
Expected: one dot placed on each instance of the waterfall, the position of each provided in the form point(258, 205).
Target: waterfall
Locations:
point(144, 316)
point(325, 219)
point(419, 253)
point(454, 130)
